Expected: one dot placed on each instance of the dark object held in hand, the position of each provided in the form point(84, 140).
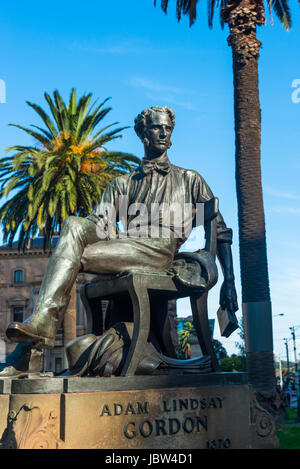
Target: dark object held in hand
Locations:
point(227, 322)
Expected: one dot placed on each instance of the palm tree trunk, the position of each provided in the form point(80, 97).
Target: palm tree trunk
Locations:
point(257, 315)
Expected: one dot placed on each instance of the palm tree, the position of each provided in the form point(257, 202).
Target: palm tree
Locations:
point(243, 17)
point(63, 173)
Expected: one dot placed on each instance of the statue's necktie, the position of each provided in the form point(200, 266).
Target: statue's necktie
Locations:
point(162, 166)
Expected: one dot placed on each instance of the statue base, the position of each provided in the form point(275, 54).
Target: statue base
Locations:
point(215, 410)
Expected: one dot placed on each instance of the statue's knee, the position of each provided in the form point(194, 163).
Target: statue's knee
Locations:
point(74, 227)
point(70, 222)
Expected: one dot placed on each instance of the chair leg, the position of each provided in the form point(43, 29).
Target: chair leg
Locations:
point(94, 315)
point(88, 312)
point(141, 325)
point(201, 323)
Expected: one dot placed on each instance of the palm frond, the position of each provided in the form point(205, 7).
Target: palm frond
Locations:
point(183, 7)
point(72, 102)
point(54, 112)
point(210, 11)
point(44, 117)
point(40, 138)
point(282, 10)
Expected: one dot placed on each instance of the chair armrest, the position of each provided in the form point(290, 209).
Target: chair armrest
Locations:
point(211, 209)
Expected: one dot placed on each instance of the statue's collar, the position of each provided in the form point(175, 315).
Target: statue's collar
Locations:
point(160, 164)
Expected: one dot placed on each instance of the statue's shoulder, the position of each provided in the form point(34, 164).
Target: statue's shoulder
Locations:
point(120, 179)
point(121, 182)
point(189, 173)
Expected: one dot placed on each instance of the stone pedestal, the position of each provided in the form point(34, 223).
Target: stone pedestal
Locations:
point(217, 410)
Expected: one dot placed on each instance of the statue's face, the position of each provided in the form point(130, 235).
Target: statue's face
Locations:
point(158, 133)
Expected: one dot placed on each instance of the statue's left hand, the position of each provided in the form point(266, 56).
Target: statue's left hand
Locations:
point(228, 296)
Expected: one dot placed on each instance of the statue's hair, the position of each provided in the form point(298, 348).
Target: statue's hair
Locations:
point(141, 119)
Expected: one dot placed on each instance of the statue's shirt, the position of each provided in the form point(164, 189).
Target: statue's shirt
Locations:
point(143, 197)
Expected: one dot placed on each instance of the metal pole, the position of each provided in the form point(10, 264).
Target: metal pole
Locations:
point(287, 362)
point(296, 373)
point(294, 343)
point(280, 373)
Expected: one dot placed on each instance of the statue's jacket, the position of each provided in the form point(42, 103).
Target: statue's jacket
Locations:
point(162, 201)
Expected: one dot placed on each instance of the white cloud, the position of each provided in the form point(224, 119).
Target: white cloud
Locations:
point(119, 47)
point(153, 85)
point(124, 46)
point(162, 93)
point(287, 210)
point(281, 194)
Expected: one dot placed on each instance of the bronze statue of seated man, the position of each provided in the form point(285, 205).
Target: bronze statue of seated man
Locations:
point(91, 245)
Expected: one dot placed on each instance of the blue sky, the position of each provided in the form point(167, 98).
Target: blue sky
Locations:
point(139, 57)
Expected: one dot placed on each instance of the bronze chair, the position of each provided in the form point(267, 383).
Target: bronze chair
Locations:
point(149, 292)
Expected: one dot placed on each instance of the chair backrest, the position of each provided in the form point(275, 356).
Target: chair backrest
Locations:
point(211, 209)
point(199, 305)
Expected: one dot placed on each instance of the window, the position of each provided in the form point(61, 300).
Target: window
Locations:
point(58, 364)
point(18, 276)
point(17, 313)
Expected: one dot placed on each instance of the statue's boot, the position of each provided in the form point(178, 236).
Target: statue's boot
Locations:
point(63, 266)
point(41, 327)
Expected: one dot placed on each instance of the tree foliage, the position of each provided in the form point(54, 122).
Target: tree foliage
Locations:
point(233, 363)
point(219, 349)
point(190, 8)
point(184, 351)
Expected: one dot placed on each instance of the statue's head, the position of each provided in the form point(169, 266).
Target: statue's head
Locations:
point(154, 127)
